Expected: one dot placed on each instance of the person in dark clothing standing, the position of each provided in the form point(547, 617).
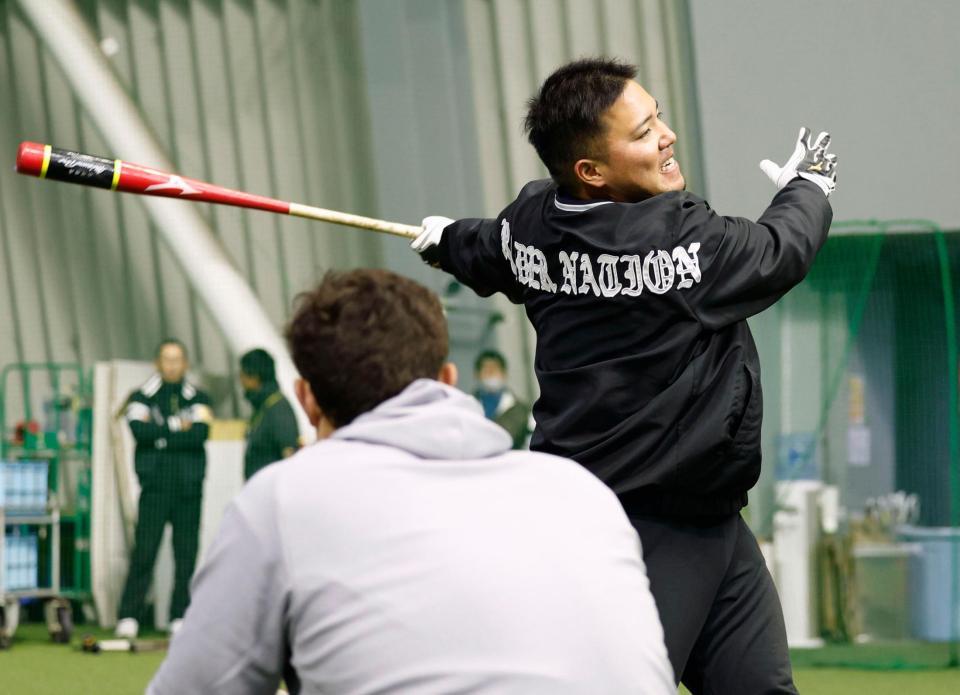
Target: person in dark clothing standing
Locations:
point(272, 433)
point(499, 403)
point(170, 420)
point(639, 294)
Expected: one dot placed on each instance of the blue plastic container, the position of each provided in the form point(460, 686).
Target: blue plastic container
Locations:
point(933, 578)
point(20, 561)
point(23, 487)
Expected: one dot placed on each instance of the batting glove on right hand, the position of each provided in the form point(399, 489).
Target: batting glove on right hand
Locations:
point(428, 240)
point(810, 161)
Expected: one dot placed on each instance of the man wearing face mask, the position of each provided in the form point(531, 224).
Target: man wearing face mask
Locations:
point(272, 433)
point(499, 403)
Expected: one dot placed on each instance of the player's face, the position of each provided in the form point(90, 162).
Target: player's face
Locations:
point(490, 369)
point(172, 363)
point(248, 382)
point(638, 162)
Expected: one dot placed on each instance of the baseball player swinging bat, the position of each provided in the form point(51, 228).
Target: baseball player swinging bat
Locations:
point(47, 162)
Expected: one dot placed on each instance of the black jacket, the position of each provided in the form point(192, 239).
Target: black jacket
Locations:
point(648, 373)
point(272, 429)
point(165, 450)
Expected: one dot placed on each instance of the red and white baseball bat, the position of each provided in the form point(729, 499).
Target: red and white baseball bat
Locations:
point(49, 162)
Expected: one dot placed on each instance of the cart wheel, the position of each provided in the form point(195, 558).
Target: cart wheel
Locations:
point(9, 619)
point(59, 620)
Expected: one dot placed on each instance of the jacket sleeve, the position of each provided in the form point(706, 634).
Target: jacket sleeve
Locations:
point(477, 253)
point(200, 416)
point(744, 266)
point(189, 440)
point(233, 639)
point(480, 253)
point(139, 416)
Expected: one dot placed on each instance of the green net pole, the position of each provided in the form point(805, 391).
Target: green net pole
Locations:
point(946, 282)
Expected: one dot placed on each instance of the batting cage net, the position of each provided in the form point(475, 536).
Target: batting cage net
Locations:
point(860, 496)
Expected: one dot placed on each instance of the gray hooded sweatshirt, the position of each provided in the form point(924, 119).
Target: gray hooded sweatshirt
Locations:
point(413, 552)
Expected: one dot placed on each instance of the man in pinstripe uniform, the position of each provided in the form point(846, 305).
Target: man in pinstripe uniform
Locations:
point(169, 418)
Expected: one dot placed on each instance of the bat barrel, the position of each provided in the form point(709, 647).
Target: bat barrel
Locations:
point(46, 162)
point(54, 163)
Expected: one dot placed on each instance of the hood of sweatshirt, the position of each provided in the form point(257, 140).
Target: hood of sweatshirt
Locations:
point(430, 420)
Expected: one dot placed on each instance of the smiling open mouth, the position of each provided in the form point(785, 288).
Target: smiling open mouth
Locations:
point(668, 166)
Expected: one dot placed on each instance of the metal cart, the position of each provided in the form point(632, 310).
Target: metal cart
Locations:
point(66, 511)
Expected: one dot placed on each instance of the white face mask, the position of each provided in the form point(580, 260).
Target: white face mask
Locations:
point(492, 384)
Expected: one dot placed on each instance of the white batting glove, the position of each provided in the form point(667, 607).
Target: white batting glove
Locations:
point(433, 227)
point(810, 161)
point(426, 243)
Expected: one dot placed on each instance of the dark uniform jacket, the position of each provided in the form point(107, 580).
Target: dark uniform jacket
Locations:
point(165, 450)
point(648, 373)
point(272, 429)
point(511, 414)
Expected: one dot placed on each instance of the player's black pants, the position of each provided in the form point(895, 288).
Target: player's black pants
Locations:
point(720, 611)
point(161, 501)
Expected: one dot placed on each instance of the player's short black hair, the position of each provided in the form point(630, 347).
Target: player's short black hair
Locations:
point(490, 355)
point(170, 341)
point(564, 119)
point(258, 363)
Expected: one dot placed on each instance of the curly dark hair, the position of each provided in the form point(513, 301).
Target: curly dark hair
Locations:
point(362, 336)
point(564, 119)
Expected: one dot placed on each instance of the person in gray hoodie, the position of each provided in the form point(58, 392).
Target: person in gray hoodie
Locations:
point(409, 550)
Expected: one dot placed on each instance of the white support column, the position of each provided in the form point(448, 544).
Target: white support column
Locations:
point(232, 303)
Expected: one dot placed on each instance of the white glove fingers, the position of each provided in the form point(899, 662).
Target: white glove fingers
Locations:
point(809, 160)
point(770, 169)
point(799, 152)
point(431, 232)
point(830, 165)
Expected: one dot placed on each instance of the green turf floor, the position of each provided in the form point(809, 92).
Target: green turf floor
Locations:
point(35, 666)
point(849, 681)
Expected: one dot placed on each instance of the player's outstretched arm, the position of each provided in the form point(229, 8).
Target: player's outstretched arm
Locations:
point(479, 252)
point(472, 250)
point(746, 266)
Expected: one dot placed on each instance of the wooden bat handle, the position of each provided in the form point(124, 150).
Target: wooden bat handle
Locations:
point(405, 230)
